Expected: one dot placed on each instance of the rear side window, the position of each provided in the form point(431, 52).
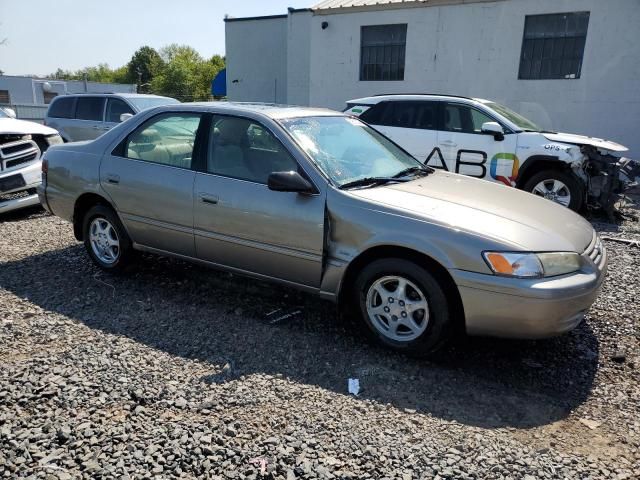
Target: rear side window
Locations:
point(90, 108)
point(167, 139)
point(404, 114)
point(63, 107)
point(115, 108)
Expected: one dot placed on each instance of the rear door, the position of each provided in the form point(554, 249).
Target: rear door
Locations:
point(88, 121)
point(115, 108)
point(411, 124)
point(149, 178)
point(239, 222)
point(464, 149)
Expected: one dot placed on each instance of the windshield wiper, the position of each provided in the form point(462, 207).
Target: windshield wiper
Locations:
point(413, 170)
point(370, 182)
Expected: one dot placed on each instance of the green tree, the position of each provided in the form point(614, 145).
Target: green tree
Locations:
point(144, 66)
point(187, 76)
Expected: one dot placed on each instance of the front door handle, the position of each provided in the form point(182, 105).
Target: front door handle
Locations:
point(113, 178)
point(209, 199)
point(450, 143)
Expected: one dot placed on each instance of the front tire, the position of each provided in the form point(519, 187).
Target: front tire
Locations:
point(560, 187)
point(403, 306)
point(106, 240)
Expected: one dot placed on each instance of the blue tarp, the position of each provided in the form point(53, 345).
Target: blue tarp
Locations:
point(219, 84)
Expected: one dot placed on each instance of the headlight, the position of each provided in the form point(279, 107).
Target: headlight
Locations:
point(54, 139)
point(532, 265)
point(559, 263)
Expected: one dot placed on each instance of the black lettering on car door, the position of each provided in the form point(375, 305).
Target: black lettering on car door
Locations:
point(436, 151)
point(481, 164)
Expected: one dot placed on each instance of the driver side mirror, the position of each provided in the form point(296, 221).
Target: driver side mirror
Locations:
point(495, 129)
point(289, 182)
point(125, 116)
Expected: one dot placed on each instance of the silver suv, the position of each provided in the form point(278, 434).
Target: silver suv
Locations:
point(87, 116)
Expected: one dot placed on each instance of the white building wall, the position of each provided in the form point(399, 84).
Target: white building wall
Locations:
point(257, 59)
point(299, 57)
point(474, 49)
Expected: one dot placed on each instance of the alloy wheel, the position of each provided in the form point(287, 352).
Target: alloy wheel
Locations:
point(397, 308)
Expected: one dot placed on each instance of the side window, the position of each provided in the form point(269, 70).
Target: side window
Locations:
point(478, 118)
point(453, 117)
point(400, 114)
point(90, 108)
point(375, 113)
point(63, 107)
point(426, 115)
point(244, 149)
point(167, 139)
point(115, 108)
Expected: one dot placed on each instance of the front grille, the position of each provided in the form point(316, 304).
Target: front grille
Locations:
point(595, 251)
point(9, 164)
point(15, 196)
point(15, 154)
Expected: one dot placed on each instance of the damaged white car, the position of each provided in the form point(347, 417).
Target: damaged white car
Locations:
point(484, 139)
point(22, 144)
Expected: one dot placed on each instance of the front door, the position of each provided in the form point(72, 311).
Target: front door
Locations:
point(115, 108)
point(464, 149)
point(240, 223)
point(149, 178)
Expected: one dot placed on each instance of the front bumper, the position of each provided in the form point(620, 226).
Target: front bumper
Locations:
point(518, 308)
point(15, 198)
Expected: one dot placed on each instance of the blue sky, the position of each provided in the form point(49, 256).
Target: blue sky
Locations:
point(43, 35)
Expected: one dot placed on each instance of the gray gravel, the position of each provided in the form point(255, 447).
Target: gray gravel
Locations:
point(179, 371)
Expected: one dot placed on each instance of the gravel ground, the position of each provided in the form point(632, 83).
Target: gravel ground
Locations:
point(179, 371)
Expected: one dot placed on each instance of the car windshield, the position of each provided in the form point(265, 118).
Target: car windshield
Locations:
point(521, 122)
point(3, 114)
point(347, 150)
point(142, 103)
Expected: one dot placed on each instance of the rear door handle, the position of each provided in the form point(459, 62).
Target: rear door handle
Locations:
point(113, 178)
point(449, 142)
point(209, 199)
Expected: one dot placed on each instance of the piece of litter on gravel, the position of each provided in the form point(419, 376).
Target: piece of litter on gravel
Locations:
point(354, 386)
point(286, 316)
point(626, 241)
point(590, 424)
point(531, 363)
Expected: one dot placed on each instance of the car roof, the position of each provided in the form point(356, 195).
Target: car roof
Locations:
point(271, 110)
point(413, 96)
point(111, 94)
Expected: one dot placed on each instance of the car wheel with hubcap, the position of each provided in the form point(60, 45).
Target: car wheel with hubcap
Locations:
point(560, 187)
point(105, 239)
point(403, 306)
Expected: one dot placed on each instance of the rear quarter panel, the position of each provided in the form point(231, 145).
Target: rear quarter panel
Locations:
point(71, 173)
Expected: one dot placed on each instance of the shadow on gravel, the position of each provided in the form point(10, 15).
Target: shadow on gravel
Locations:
point(196, 313)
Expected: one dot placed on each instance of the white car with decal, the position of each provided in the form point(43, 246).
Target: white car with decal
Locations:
point(484, 139)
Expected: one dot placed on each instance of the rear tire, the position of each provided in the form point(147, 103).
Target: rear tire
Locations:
point(106, 240)
point(403, 306)
point(560, 187)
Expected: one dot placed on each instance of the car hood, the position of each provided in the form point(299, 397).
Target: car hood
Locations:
point(13, 125)
point(514, 218)
point(584, 140)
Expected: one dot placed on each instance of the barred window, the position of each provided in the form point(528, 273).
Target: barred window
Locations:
point(382, 52)
point(4, 96)
point(553, 46)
